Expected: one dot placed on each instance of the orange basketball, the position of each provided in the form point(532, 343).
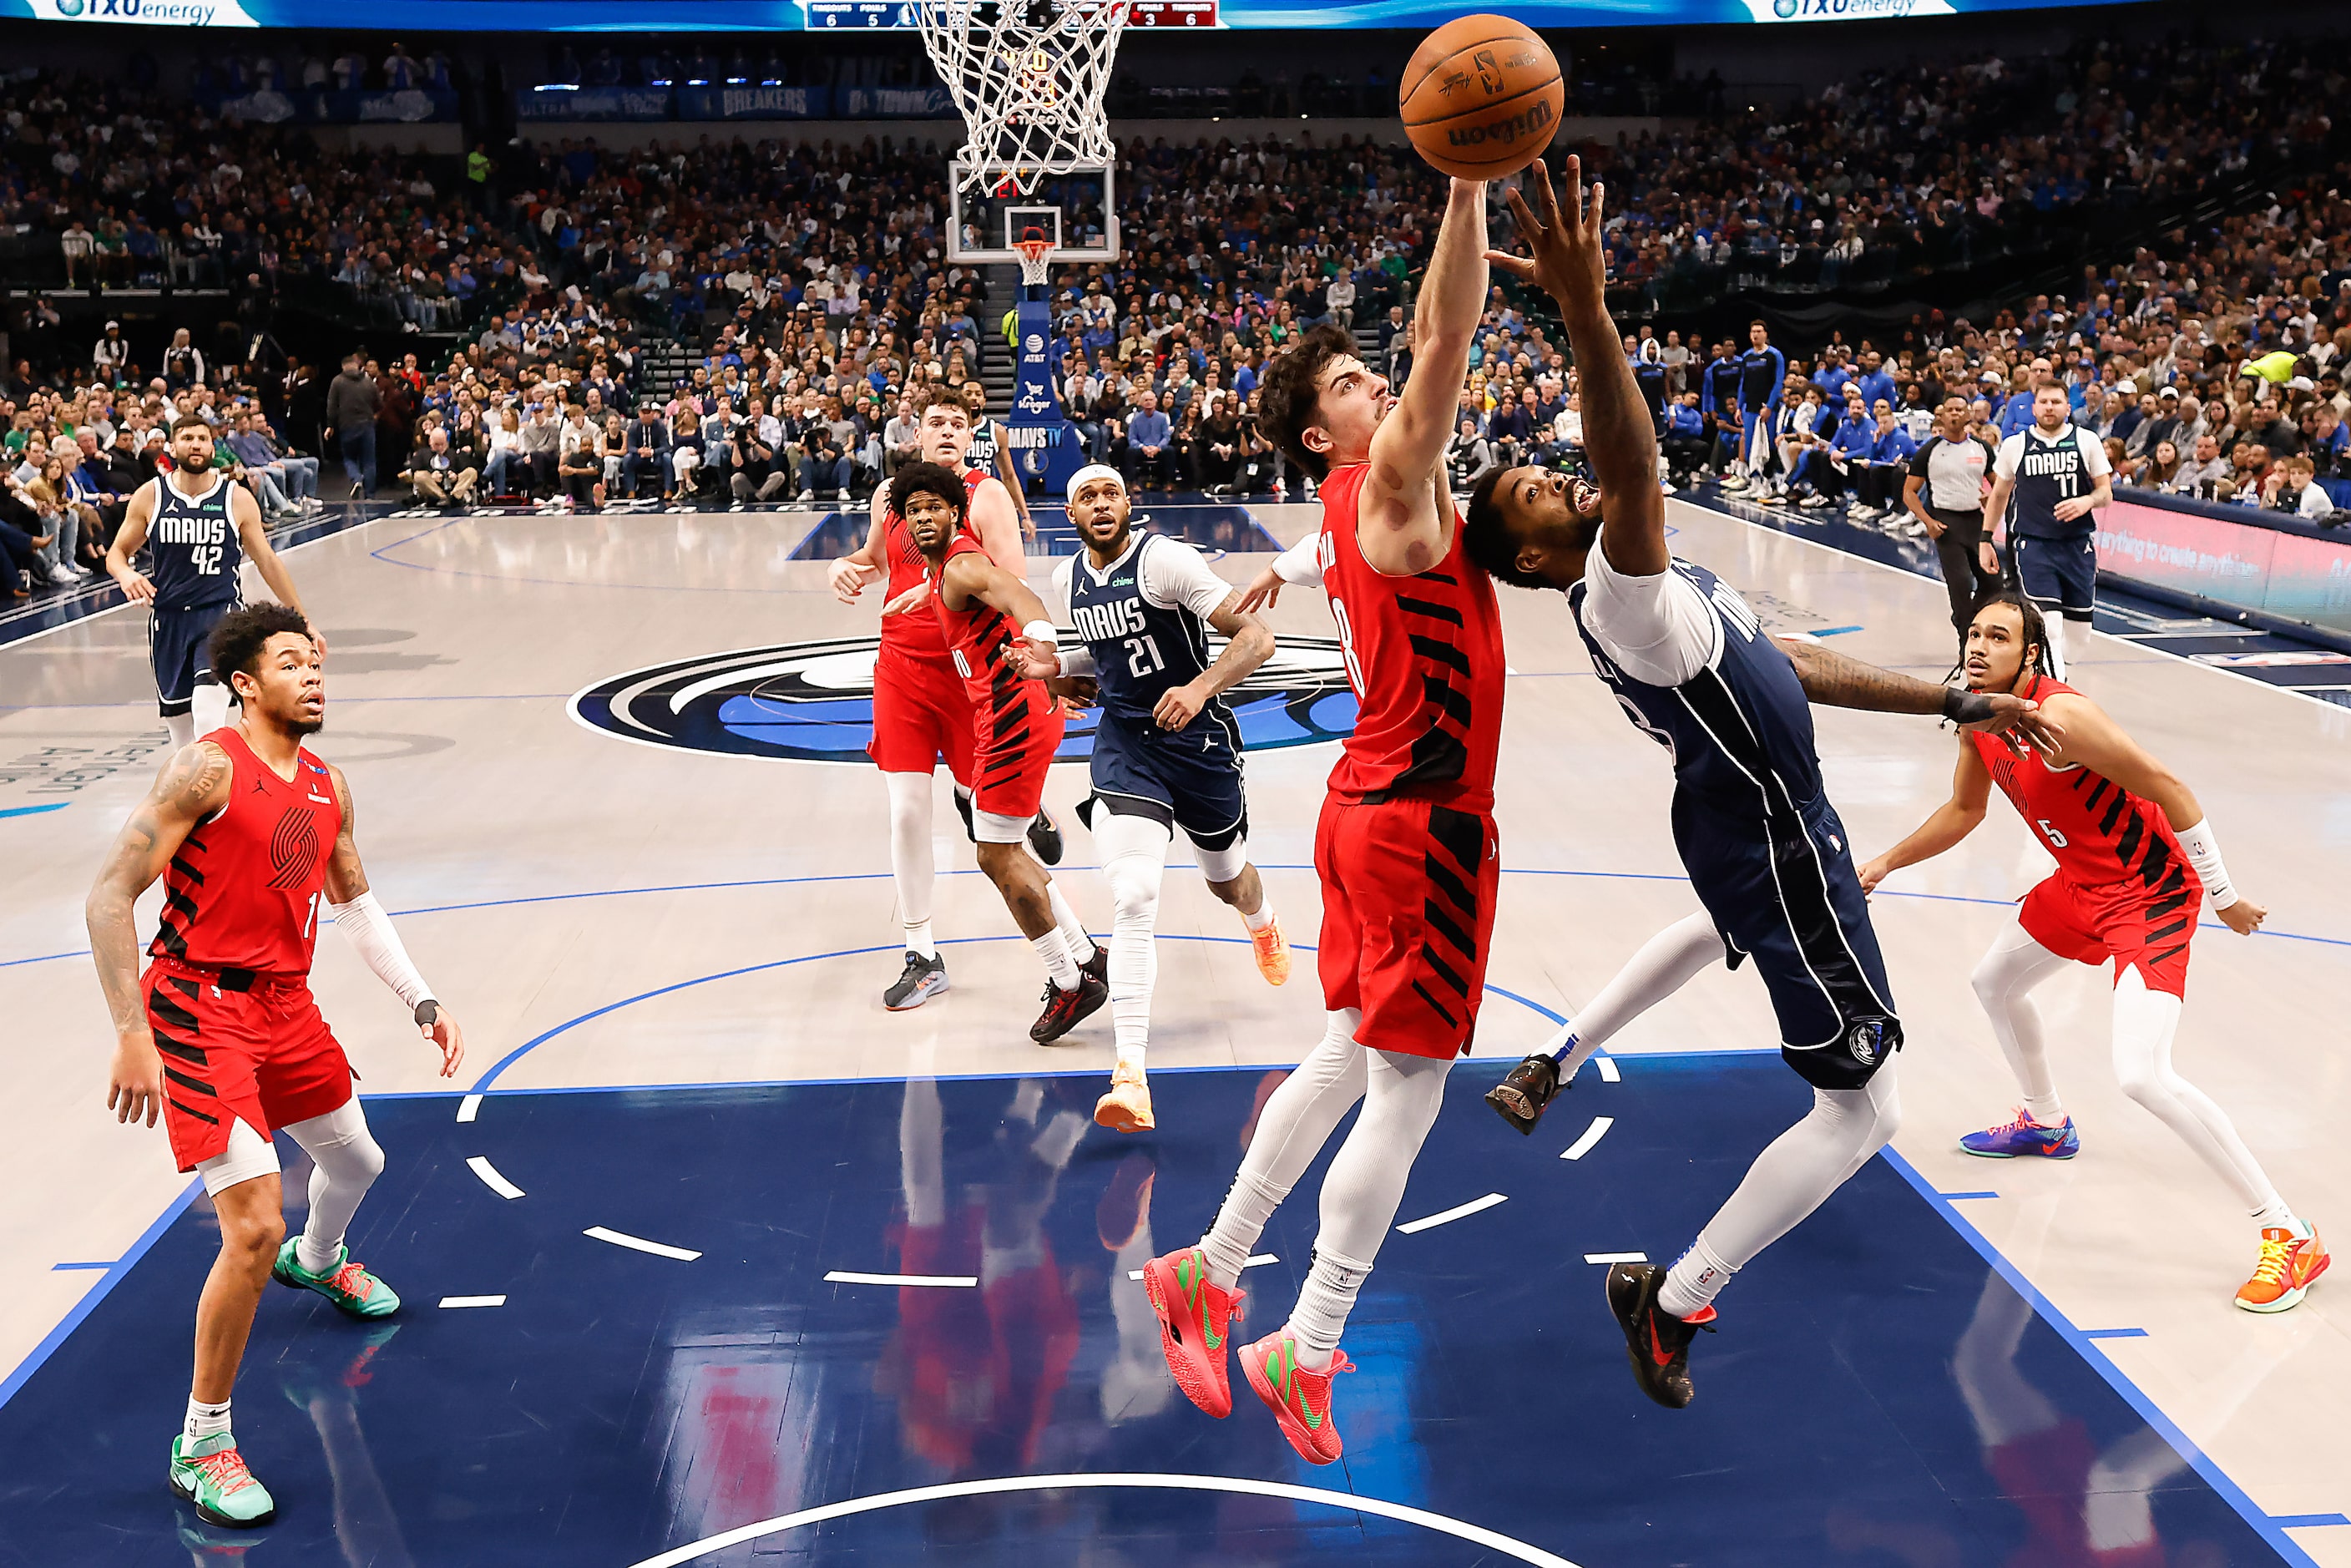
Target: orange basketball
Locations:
point(1482, 97)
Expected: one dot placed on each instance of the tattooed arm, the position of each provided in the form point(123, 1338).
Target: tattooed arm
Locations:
point(192, 786)
point(1833, 680)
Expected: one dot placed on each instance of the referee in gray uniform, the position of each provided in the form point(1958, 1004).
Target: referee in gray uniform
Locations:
point(1945, 491)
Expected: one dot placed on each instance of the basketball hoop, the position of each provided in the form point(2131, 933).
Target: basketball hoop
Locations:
point(1036, 258)
point(1028, 77)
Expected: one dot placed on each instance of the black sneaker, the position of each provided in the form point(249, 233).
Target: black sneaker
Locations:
point(1523, 1093)
point(1656, 1341)
point(1064, 1010)
point(922, 979)
point(1045, 838)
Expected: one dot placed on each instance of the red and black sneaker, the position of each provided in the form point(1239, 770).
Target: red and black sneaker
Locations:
point(1064, 1010)
point(1657, 1342)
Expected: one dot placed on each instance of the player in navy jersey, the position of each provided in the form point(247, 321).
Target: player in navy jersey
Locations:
point(1761, 370)
point(198, 527)
point(2047, 479)
point(1166, 752)
point(1763, 847)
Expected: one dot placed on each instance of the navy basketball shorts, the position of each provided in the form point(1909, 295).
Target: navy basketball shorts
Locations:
point(2059, 574)
point(1782, 889)
point(175, 646)
point(1188, 778)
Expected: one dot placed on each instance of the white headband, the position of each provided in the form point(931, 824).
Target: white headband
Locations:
point(1092, 471)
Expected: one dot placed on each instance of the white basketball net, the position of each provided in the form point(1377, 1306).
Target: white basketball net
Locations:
point(1028, 77)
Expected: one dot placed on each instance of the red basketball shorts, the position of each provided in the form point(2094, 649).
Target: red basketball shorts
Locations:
point(1407, 919)
point(1015, 736)
point(921, 714)
point(239, 1047)
point(2118, 920)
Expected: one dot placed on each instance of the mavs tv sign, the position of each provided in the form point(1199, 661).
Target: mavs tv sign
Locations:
point(813, 702)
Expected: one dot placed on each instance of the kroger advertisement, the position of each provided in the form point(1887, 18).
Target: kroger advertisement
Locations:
point(2206, 552)
point(836, 15)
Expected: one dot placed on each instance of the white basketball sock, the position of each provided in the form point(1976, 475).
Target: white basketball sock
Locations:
point(1055, 951)
point(181, 728)
point(207, 704)
point(1073, 930)
point(2056, 627)
point(204, 1420)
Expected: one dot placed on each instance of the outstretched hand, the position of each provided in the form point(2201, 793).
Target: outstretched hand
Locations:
point(1562, 236)
point(2018, 722)
point(1263, 589)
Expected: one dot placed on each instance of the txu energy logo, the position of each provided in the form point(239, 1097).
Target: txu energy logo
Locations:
point(813, 702)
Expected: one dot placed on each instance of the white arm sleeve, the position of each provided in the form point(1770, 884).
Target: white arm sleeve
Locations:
point(1660, 630)
point(1298, 563)
point(368, 928)
point(1174, 576)
point(2204, 854)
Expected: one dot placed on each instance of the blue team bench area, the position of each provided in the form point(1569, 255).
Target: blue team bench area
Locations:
point(707, 1313)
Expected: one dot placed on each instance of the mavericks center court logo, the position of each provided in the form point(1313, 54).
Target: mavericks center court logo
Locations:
point(813, 702)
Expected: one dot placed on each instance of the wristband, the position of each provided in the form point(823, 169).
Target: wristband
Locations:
point(1966, 707)
point(428, 1011)
point(1041, 631)
point(2204, 854)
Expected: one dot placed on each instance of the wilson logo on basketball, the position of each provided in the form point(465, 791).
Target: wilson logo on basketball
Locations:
point(813, 702)
point(1534, 120)
point(293, 847)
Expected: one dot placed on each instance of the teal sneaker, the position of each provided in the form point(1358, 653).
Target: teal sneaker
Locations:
point(352, 1289)
point(211, 1474)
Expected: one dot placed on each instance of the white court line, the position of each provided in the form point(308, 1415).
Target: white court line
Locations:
point(1458, 1211)
point(469, 1107)
point(1252, 1260)
point(497, 1184)
point(1346, 1502)
point(1608, 1072)
point(949, 1281)
point(1615, 1256)
point(1591, 1136)
point(473, 1301)
point(622, 1238)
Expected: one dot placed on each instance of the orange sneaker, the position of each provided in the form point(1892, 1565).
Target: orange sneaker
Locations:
point(2289, 1263)
point(1273, 950)
point(1127, 1107)
point(1299, 1400)
point(1196, 1315)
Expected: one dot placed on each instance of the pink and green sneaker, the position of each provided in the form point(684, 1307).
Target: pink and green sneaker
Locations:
point(354, 1291)
point(1299, 1400)
point(211, 1474)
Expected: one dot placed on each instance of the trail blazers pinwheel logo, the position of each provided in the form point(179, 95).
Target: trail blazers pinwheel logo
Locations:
point(813, 702)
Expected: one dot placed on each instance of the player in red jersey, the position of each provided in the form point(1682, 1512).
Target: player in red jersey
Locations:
point(251, 833)
point(2135, 861)
point(921, 714)
point(986, 613)
point(1405, 846)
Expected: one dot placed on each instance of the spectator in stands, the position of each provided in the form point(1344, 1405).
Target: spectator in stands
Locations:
point(2293, 487)
point(2159, 471)
point(540, 446)
point(2204, 473)
point(645, 464)
point(500, 472)
point(1148, 432)
point(579, 460)
point(1216, 456)
point(1685, 442)
point(1470, 456)
point(442, 474)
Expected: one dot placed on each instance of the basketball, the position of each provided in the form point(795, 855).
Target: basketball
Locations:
point(1482, 97)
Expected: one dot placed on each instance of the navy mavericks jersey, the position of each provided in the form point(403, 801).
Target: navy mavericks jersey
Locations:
point(2048, 472)
point(1740, 732)
point(192, 552)
point(1141, 650)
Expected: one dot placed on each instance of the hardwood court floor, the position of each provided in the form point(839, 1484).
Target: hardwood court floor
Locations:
point(602, 913)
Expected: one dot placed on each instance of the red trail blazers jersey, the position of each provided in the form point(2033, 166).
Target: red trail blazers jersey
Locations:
point(2099, 832)
point(242, 891)
point(1425, 655)
point(918, 635)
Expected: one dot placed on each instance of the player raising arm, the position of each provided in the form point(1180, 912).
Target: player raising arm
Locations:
point(2136, 858)
point(220, 1037)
